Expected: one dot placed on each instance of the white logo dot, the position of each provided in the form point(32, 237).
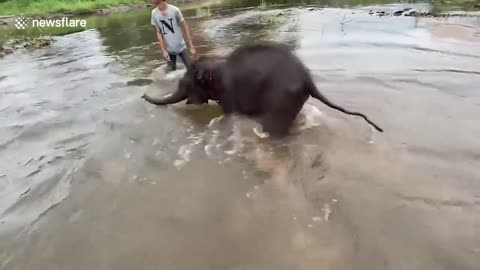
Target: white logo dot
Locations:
point(21, 22)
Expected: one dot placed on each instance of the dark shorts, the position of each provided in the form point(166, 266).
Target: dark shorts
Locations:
point(184, 55)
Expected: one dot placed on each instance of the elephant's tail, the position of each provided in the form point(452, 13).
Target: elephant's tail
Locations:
point(313, 90)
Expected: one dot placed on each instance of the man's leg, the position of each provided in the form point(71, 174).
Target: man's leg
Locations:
point(187, 61)
point(173, 62)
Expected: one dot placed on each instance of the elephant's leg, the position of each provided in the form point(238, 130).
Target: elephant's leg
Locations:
point(278, 120)
point(277, 123)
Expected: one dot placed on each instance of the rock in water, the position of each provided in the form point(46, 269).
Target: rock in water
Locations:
point(411, 13)
point(36, 43)
point(140, 82)
point(397, 13)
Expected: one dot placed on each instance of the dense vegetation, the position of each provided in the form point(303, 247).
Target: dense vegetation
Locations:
point(14, 7)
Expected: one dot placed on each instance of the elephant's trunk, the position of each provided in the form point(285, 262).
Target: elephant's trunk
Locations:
point(167, 99)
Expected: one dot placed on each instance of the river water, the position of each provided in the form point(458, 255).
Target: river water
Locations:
point(92, 177)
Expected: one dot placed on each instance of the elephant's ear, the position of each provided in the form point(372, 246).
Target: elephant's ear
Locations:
point(200, 71)
point(198, 75)
point(201, 75)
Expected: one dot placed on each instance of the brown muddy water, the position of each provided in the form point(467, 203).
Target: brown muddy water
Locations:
point(92, 177)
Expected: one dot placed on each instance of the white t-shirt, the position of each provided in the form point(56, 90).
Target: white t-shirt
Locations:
point(168, 24)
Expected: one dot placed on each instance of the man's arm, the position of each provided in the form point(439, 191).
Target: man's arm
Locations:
point(160, 39)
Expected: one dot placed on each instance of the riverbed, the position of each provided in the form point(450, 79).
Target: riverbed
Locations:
point(91, 176)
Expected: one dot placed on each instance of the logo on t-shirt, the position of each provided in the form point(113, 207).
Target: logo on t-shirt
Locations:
point(164, 24)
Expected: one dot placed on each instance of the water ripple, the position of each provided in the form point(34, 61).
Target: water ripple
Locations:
point(448, 70)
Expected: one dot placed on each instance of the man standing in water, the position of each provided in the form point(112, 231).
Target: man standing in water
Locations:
point(171, 27)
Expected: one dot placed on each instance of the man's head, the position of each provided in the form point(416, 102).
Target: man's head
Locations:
point(159, 3)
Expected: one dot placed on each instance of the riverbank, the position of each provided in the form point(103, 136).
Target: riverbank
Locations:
point(9, 34)
point(102, 7)
point(73, 11)
point(64, 8)
point(15, 7)
point(9, 8)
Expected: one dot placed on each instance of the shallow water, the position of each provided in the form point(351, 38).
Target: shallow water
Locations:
point(93, 177)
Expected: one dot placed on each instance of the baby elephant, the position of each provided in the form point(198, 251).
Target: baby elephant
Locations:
point(264, 81)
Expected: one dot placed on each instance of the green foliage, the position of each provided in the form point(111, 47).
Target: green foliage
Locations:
point(14, 7)
point(439, 6)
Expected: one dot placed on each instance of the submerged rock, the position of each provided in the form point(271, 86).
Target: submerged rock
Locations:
point(400, 12)
point(140, 82)
point(411, 13)
point(25, 43)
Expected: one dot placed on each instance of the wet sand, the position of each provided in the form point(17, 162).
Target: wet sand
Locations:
point(139, 186)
